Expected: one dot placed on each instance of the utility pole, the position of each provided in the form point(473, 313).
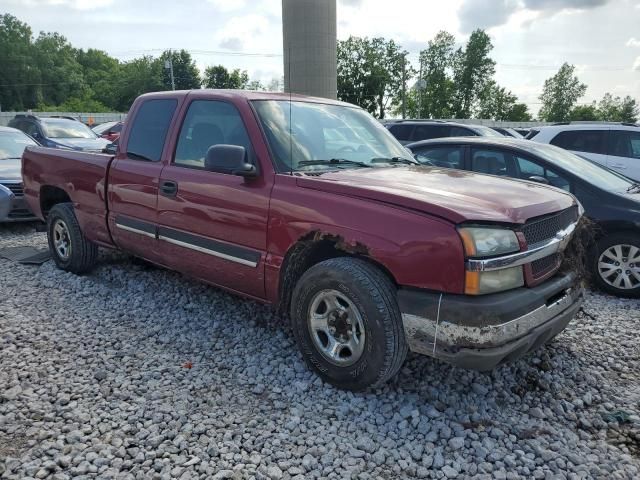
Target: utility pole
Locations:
point(168, 64)
point(404, 86)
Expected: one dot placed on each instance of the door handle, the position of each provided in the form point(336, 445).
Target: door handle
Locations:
point(169, 188)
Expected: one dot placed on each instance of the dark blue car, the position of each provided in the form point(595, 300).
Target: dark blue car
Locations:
point(59, 132)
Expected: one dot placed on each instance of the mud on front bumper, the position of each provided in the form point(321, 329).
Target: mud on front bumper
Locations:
point(481, 332)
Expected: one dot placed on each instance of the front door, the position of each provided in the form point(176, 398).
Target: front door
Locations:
point(134, 177)
point(213, 225)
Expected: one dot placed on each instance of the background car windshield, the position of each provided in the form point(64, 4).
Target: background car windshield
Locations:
point(67, 129)
point(323, 132)
point(100, 129)
point(486, 131)
point(587, 170)
point(12, 144)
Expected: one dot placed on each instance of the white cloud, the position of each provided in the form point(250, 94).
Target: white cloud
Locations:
point(246, 32)
point(633, 42)
point(75, 4)
point(636, 64)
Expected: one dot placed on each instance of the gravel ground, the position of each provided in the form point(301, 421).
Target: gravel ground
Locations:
point(136, 372)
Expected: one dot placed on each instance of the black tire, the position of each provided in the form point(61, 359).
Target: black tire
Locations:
point(82, 254)
point(605, 277)
point(374, 297)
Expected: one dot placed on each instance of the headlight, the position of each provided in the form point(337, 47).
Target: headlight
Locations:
point(481, 283)
point(486, 242)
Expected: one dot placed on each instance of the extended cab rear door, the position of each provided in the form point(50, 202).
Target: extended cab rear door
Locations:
point(134, 176)
point(212, 224)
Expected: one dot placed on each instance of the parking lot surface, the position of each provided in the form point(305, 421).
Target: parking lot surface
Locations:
point(137, 372)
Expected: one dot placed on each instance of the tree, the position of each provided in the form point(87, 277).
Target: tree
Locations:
point(495, 102)
point(370, 73)
point(185, 72)
point(219, 77)
point(141, 75)
point(584, 113)
point(18, 72)
point(100, 73)
point(519, 113)
point(560, 94)
point(616, 109)
point(436, 61)
point(472, 70)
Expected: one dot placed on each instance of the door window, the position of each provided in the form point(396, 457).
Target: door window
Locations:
point(624, 143)
point(528, 169)
point(427, 132)
point(208, 123)
point(591, 141)
point(401, 132)
point(149, 129)
point(491, 162)
point(447, 157)
point(461, 132)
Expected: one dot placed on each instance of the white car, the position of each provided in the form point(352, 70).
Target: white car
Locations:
point(615, 145)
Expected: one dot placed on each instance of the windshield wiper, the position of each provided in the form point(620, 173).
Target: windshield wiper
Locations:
point(403, 160)
point(333, 161)
point(139, 156)
point(635, 186)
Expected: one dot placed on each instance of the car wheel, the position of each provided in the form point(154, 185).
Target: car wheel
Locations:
point(347, 323)
point(616, 264)
point(69, 247)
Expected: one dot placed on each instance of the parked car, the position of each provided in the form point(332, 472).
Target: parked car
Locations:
point(522, 131)
point(109, 130)
point(369, 253)
point(59, 132)
point(611, 200)
point(615, 145)
point(508, 132)
point(407, 131)
point(13, 207)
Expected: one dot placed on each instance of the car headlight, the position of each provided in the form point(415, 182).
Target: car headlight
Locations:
point(481, 283)
point(487, 242)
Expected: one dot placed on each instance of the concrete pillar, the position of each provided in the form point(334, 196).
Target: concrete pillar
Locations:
point(309, 34)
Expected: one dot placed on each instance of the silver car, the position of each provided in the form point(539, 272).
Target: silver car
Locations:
point(13, 207)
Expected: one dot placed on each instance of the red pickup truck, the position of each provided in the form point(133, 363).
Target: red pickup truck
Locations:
point(311, 205)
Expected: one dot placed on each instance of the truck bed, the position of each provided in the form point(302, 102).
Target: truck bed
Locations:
point(49, 172)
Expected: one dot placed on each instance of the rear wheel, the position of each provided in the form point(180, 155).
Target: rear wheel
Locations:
point(347, 323)
point(616, 264)
point(69, 247)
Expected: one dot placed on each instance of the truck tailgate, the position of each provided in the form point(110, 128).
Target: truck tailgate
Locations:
point(81, 176)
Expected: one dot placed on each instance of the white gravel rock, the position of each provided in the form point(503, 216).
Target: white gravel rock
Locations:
point(136, 372)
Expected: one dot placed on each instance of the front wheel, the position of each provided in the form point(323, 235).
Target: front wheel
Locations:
point(616, 264)
point(347, 323)
point(69, 247)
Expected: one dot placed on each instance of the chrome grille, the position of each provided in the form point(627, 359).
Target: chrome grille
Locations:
point(16, 188)
point(543, 229)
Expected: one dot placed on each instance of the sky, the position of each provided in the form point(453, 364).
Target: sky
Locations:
point(532, 38)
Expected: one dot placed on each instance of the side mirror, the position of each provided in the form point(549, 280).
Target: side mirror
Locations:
point(111, 149)
point(229, 159)
point(538, 179)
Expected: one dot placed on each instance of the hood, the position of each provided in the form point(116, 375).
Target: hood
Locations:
point(81, 143)
point(10, 169)
point(455, 195)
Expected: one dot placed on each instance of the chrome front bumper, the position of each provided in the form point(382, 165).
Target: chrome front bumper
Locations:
point(484, 331)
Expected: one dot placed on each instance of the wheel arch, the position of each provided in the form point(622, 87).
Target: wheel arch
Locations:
point(50, 196)
point(313, 248)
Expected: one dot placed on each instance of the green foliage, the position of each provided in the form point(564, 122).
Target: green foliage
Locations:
point(219, 77)
point(75, 104)
point(584, 113)
point(560, 94)
point(185, 72)
point(370, 73)
point(616, 109)
point(141, 75)
point(473, 69)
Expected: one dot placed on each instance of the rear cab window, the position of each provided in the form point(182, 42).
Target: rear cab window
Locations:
point(149, 129)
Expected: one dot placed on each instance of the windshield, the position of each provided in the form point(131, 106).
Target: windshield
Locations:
point(581, 167)
point(12, 144)
point(322, 132)
point(61, 128)
point(100, 129)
